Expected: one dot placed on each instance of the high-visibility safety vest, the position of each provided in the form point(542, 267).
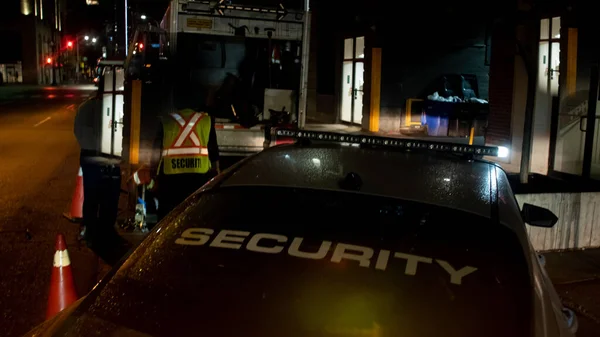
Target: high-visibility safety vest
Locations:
point(185, 142)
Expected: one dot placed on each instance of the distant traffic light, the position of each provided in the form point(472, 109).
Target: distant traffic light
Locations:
point(69, 44)
point(49, 60)
point(141, 46)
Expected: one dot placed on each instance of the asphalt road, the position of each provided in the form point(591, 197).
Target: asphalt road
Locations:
point(37, 175)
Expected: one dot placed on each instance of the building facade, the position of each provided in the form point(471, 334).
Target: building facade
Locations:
point(388, 57)
point(550, 82)
point(33, 29)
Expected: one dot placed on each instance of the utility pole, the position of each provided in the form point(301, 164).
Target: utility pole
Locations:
point(77, 60)
point(115, 39)
point(590, 131)
point(532, 75)
point(304, 65)
point(53, 71)
point(126, 28)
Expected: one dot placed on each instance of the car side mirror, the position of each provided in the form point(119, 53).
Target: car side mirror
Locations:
point(538, 216)
point(572, 321)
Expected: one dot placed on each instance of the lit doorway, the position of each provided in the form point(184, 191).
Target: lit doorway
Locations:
point(547, 93)
point(353, 68)
point(575, 148)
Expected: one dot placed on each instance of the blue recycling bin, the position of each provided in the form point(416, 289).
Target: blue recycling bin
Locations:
point(437, 117)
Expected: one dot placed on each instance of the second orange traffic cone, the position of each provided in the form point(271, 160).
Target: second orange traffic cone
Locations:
point(62, 288)
point(75, 214)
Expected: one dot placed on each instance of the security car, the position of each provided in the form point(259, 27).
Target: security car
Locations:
point(336, 235)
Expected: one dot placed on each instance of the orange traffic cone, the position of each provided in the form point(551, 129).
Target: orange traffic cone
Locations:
point(76, 212)
point(62, 287)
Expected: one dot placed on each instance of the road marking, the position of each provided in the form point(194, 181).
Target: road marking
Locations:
point(84, 95)
point(71, 107)
point(42, 122)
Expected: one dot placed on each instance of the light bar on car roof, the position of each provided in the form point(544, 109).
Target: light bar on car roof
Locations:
point(398, 143)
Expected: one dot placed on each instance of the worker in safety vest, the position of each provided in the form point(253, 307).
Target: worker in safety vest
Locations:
point(189, 157)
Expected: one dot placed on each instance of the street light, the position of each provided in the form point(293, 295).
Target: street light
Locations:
point(86, 37)
point(94, 40)
point(143, 17)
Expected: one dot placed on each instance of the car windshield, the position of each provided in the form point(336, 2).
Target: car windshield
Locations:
point(268, 261)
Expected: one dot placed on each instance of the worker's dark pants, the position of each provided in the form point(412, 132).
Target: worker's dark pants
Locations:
point(173, 189)
point(101, 189)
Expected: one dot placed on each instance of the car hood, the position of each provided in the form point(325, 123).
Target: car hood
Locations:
point(314, 277)
point(287, 298)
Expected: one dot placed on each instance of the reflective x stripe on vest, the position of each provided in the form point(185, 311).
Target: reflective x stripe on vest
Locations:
point(185, 143)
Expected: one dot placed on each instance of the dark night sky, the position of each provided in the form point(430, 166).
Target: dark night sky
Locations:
point(84, 18)
point(81, 17)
